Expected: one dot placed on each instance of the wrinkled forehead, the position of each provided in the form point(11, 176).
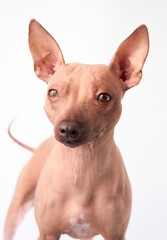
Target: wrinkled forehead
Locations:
point(83, 76)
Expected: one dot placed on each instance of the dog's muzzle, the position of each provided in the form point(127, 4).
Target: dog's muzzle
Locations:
point(70, 133)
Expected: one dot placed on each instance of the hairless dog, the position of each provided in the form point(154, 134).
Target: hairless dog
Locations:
point(76, 179)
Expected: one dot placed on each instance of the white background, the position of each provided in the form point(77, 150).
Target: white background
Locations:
point(88, 31)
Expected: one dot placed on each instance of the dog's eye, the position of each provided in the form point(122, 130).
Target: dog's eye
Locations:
point(104, 97)
point(53, 93)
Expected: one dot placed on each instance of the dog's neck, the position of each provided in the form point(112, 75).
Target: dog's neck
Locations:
point(87, 164)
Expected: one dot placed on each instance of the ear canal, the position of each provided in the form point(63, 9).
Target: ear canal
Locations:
point(130, 56)
point(45, 51)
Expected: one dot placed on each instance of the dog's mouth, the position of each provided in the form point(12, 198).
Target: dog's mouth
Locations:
point(82, 140)
point(70, 143)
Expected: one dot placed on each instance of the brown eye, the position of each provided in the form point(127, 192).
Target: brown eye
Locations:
point(104, 97)
point(53, 93)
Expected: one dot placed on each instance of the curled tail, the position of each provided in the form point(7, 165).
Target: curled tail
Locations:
point(17, 141)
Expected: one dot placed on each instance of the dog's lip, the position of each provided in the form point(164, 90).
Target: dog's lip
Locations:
point(71, 144)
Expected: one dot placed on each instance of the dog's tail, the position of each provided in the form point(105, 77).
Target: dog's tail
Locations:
point(17, 141)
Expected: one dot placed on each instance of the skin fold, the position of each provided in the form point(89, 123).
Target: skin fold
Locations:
point(76, 179)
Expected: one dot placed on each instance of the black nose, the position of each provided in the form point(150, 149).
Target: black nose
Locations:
point(70, 131)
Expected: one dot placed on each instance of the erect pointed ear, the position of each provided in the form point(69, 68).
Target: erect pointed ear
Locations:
point(130, 57)
point(45, 51)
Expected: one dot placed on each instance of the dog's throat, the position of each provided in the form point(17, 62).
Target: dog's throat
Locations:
point(86, 167)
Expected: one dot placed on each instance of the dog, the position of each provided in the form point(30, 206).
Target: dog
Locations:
point(76, 179)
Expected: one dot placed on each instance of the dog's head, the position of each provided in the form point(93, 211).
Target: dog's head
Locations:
point(83, 102)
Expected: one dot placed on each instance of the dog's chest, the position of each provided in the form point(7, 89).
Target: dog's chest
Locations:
point(71, 208)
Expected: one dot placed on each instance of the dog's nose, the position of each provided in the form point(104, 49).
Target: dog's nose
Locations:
point(70, 131)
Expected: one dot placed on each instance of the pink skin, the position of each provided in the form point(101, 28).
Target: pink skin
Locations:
point(77, 179)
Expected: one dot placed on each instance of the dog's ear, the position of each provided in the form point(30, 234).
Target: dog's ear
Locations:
point(130, 57)
point(45, 51)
